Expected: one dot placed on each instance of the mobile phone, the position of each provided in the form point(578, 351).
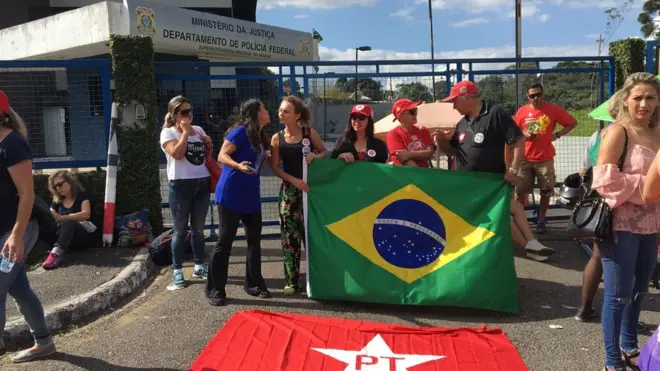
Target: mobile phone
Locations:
point(250, 168)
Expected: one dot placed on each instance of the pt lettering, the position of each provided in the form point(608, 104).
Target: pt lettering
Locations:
point(363, 360)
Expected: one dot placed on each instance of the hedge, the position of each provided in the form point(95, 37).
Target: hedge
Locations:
point(628, 58)
point(138, 175)
point(92, 181)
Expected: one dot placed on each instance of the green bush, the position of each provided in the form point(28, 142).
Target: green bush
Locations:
point(138, 175)
point(628, 57)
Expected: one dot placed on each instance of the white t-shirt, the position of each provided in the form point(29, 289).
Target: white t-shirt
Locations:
point(191, 166)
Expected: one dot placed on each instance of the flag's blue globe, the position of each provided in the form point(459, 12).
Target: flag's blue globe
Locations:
point(409, 234)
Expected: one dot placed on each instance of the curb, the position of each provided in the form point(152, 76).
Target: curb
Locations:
point(62, 315)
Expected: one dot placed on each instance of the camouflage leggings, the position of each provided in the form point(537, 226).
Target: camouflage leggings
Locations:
point(293, 231)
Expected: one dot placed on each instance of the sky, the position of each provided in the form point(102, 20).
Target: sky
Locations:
point(399, 29)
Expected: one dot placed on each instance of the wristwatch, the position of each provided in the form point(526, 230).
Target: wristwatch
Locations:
point(513, 171)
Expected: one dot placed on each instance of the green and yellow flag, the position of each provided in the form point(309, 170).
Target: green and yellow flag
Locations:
point(405, 235)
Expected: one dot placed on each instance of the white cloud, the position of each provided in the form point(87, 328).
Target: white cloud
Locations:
point(543, 18)
point(313, 4)
point(476, 6)
point(404, 13)
point(592, 36)
point(469, 22)
point(300, 16)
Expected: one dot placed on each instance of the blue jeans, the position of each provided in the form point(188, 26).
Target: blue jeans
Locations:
point(16, 284)
point(189, 200)
point(628, 263)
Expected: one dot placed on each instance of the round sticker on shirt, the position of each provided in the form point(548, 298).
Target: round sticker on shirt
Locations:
point(461, 137)
point(479, 138)
point(305, 142)
point(371, 153)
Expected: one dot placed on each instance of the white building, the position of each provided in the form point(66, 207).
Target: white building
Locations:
point(66, 105)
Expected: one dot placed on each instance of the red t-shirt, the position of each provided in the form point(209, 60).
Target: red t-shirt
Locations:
point(542, 122)
point(417, 139)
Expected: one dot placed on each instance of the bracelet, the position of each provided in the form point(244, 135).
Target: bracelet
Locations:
point(557, 135)
point(513, 170)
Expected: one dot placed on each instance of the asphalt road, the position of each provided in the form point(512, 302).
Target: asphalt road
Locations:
point(163, 330)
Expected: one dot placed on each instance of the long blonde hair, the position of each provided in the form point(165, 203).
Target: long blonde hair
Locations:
point(68, 177)
point(173, 109)
point(13, 121)
point(617, 107)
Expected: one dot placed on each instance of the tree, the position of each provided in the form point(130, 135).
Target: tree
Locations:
point(415, 91)
point(649, 11)
point(287, 86)
point(368, 86)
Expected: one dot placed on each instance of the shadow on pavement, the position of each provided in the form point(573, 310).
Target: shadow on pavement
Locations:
point(89, 363)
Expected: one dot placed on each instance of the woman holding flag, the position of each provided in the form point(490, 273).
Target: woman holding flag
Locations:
point(358, 141)
point(288, 146)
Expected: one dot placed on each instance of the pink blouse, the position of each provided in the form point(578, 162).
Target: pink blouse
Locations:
point(623, 191)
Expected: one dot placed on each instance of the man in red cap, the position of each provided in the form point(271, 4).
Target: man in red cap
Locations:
point(409, 144)
point(478, 144)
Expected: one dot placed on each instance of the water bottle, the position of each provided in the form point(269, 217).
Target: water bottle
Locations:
point(5, 264)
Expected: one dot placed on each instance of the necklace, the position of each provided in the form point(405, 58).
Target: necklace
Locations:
point(654, 141)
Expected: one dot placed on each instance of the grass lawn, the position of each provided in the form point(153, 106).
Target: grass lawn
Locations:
point(586, 125)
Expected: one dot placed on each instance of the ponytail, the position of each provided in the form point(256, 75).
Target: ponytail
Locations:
point(13, 121)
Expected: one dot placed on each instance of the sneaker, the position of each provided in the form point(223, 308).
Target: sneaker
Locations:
point(535, 247)
point(217, 302)
point(585, 315)
point(537, 257)
point(178, 281)
point(201, 273)
point(52, 261)
point(540, 228)
point(35, 352)
point(289, 290)
point(641, 326)
point(264, 294)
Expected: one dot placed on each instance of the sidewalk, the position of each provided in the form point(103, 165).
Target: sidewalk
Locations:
point(88, 283)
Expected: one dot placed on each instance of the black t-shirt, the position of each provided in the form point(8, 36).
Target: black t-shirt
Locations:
point(376, 150)
point(480, 145)
point(75, 208)
point(14, 149)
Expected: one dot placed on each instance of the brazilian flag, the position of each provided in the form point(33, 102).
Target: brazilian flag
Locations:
point(405, 235)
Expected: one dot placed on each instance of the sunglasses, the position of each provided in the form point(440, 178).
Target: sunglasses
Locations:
point(359, 117)
point(412, 112)
point(58, 185)
point(185, 112)
point(534, 96)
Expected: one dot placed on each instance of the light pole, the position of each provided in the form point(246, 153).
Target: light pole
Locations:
point(432, 49)
point(358, 49)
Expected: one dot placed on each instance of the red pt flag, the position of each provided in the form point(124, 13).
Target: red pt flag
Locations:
point(256, 340)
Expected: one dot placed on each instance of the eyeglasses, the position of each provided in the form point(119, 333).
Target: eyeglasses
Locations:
point(59, 185)
point(359, 117)
point(535, 95)
point(185, 112)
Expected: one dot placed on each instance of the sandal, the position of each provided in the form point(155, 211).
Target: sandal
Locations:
point(631, 359)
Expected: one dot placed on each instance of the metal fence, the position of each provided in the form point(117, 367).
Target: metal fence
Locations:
point(67, 103)
point(66, 107)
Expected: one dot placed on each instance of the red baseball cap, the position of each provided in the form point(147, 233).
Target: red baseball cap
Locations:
point(4, 102)
point(402, 105)
point(462, 89)
point(363, 109)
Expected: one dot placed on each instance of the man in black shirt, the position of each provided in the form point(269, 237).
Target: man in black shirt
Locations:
point(479, 143)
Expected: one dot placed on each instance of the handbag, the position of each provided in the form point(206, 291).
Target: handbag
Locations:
point(211, 164)
point(592, 216)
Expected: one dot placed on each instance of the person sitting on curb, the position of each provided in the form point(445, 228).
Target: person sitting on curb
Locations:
point(478, 144)
point(71, 210)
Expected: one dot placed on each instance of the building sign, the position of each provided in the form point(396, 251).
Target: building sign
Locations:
point(182, 31)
